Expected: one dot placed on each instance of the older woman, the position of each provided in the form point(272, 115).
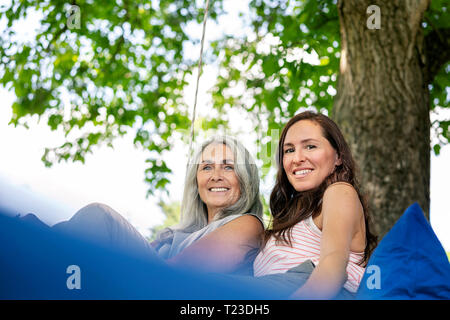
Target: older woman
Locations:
point(221, 214)
point(221, 210)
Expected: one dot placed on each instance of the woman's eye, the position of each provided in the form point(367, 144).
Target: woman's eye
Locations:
point(229, 168)
point(289, 150)
point(310, 146)
point(207, 167)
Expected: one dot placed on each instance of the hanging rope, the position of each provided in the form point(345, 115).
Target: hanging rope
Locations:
point(200, 61)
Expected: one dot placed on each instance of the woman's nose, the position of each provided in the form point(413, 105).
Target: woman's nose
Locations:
point(299, 156)
point(217, 174)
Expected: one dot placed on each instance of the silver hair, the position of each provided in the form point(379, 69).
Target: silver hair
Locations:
point(194, 214)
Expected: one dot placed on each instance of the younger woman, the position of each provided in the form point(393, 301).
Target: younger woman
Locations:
point(318, 211)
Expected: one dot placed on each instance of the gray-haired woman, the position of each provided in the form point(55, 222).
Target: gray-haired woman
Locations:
point(221, 214)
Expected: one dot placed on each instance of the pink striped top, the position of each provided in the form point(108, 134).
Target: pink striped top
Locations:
point(279, 258)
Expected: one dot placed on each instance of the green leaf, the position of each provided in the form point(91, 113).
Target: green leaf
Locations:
point(437, 149)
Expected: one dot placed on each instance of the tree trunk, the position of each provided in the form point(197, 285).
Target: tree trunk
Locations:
point(382, 105)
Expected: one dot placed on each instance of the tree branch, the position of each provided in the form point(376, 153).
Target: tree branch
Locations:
point(437, 51)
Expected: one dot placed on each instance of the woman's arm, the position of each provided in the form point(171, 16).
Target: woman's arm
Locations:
point(223, 250)
point(341, 214)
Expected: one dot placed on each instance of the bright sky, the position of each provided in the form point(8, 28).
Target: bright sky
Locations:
point(116, 176)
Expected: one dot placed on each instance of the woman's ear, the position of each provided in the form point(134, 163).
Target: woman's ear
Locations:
point(337, 161)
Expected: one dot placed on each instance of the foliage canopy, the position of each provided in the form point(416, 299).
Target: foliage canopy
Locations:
point(125, 67)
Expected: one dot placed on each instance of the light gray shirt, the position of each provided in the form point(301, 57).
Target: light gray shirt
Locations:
point(182, 240)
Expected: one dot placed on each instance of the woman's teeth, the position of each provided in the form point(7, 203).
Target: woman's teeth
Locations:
point(218, 189)
point(302, 172)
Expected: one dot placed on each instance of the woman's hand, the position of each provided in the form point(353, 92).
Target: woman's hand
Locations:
point(326, 280)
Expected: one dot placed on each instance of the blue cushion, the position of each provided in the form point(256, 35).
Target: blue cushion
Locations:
point(38, 262)
point(409, 263)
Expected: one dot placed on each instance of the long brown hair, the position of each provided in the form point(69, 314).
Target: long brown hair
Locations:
point(288, 206)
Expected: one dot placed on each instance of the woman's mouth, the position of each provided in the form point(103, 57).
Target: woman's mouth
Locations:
point(302, 172)
point(218, 189)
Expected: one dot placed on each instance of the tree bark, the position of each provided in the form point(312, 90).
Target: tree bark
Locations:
point(382, 105)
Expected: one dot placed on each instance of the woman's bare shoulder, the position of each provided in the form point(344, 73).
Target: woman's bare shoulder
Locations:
point(342, 196)
point(246, 221)
point(341, 189)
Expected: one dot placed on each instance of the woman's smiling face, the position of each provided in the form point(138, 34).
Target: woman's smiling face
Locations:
point(308, 157)
point(218, 184)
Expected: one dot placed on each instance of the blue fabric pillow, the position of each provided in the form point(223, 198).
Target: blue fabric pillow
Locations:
point(409, 263)
point(38, 262)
